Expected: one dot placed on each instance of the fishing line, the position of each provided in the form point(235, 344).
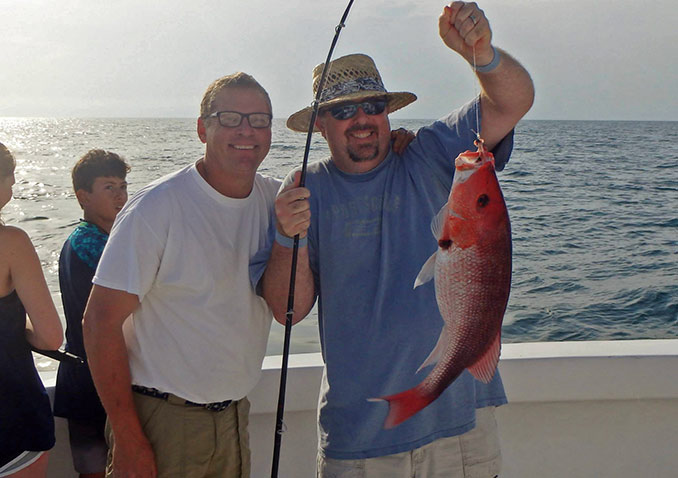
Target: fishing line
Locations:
point(477, 93)
point(280, 426)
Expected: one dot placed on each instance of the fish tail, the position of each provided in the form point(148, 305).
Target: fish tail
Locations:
point(403, 405)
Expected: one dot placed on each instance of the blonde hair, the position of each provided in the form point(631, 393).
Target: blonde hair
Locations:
point(7, 162)
point(239, 79)
point(7, 165)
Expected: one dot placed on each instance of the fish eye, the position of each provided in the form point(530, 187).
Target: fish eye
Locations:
point(445, 244)
point(483, 199)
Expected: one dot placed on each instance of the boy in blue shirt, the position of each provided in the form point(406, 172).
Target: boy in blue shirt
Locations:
point(101, 189)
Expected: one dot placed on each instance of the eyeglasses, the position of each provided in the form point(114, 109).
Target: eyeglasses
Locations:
point(347, 111)
point(232, 119)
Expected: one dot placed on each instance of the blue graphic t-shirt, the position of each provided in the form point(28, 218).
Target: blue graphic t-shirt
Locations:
point(75, 395)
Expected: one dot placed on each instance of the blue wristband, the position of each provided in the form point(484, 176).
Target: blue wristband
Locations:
point(491, 65)
point(289, 241)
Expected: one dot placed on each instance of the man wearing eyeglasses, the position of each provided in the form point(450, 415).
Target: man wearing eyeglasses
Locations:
point(364, 221)
point(174, 333)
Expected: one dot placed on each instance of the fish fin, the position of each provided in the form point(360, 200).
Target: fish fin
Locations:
point(485, 368)
point(427, 271)
point(438, 221)
point(437, 351)
point(403, 405)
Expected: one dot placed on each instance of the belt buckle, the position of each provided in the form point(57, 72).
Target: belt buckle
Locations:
point(170, 398)
point(212, 407)
point(218, 406)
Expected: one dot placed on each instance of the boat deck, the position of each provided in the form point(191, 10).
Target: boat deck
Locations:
point(577, 409)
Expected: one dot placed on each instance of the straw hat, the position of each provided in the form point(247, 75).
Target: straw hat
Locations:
point(350, 78)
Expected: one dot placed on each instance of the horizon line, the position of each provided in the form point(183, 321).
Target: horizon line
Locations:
point(284, 118)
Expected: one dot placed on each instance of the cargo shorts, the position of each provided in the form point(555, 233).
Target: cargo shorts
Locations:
point(474, 454)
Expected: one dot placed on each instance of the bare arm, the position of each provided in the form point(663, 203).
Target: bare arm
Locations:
point(276, 283)
point(43, 327)
point(507, 95)
point(107, 309)
point(507, 92)
point(293, 217)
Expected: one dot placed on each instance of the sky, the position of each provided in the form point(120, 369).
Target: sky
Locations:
point(590, 60)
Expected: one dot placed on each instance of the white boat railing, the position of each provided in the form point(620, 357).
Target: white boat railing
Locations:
point(577, 409)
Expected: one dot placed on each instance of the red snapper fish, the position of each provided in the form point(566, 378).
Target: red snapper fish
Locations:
point(472, 271)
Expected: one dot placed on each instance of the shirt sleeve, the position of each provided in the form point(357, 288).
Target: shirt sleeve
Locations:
point(88, 244)
point(502, 151)
point(133, 253)
point(438, 144)
point(258, 262)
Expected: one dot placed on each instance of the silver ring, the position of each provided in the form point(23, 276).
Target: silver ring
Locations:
point(473, 19)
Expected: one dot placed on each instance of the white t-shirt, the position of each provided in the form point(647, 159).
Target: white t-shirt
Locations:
point(184, 250)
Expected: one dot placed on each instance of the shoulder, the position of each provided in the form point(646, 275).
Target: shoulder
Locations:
point(151, 210)
point(266, 189)
point(457, 125)
point(14, 237)
point(267, 182)
point(315, 171)
point(156, 194)
point(16, 245)
point(86, 232)
point(319, 167)
point(166, 184)
point(443, 139)
point(12, 233)
point(441, 131)
point(88, 241)
point(463, 117)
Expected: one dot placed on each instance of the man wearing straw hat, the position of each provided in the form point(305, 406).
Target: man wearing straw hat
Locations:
point(363, 219)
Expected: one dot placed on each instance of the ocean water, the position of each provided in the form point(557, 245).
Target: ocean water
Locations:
point(593, 206)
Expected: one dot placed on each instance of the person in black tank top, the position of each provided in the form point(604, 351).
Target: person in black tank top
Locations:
point(26, 421)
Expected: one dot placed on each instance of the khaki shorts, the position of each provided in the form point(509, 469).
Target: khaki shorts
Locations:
point(190, 441)
point(475, 454)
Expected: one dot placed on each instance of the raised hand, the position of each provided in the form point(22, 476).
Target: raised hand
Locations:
point(463, 26)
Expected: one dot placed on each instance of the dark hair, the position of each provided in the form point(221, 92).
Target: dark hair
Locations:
point(97, 163)
point(7, 162)
point(239, 79)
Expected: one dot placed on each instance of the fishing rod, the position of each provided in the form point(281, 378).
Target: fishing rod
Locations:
point(279, 425)
point(60, 355)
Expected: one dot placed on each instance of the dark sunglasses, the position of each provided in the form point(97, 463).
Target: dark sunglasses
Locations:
point(347, 111)
point(232, 119)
